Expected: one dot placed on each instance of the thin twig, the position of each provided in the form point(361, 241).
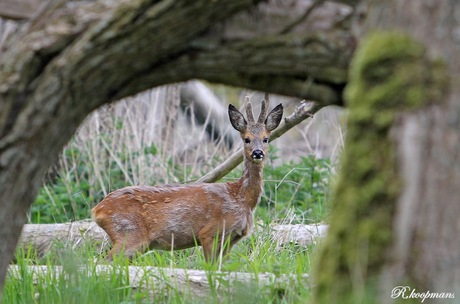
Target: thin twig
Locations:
point(302, 18)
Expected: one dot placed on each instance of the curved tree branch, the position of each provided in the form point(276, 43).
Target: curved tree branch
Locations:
point(77, 56)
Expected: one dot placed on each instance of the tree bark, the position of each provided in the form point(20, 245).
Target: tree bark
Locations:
point(76, 56)
point(426, 235)
point(400, 178)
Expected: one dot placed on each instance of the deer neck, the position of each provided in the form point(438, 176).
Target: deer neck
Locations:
point(251, 183)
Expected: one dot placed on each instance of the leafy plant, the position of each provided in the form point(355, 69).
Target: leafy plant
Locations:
point(302, 186)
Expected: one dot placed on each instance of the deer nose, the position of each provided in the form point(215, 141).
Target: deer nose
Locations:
point(258, 155)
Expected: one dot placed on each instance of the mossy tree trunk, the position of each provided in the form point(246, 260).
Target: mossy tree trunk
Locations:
point(76, 56)
point(395, 212)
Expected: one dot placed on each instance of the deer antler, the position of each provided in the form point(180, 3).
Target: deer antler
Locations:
point(248, 106)
point(264, 109)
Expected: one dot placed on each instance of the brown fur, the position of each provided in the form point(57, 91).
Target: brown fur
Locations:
point(182, 216)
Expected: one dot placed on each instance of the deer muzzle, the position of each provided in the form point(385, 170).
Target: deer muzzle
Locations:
point(258, 155)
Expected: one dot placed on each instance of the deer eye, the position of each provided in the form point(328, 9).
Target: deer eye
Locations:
point(247, 140)
point(265, 140)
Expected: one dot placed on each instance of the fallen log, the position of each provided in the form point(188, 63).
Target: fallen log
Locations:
point(42, 237)
point(300, 235)
point(201, 104)
point(197, 283)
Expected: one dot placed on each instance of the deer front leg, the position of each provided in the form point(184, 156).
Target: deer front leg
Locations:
point(212, 248)
point(211, 240)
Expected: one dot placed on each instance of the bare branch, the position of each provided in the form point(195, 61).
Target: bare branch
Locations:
point(19, 9)
point(302, 18)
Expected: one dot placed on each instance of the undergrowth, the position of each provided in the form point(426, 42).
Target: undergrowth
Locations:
point(300, 186)
point(72, 276)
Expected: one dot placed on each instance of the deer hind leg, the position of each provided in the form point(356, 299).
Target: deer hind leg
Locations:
point(127, 238)
point(129, 245)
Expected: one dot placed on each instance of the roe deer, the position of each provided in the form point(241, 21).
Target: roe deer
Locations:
point(181, 216)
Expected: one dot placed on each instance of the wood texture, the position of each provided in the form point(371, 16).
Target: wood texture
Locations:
point(419, 245)
point(20, 9)
point(426, 231)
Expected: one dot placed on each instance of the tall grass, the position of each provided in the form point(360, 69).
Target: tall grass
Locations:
point(77, 281)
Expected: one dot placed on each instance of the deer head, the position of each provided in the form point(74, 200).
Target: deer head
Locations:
point(255, 134)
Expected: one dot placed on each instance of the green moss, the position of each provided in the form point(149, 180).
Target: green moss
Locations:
point(390, 74)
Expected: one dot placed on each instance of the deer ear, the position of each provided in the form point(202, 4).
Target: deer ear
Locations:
point(237, 119)
point(274, 118)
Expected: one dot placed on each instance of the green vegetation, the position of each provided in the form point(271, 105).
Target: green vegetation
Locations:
point(301, 187)
point(77, 281)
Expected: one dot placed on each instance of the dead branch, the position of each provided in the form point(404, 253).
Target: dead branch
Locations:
point(20, 9)
point(208, 109)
